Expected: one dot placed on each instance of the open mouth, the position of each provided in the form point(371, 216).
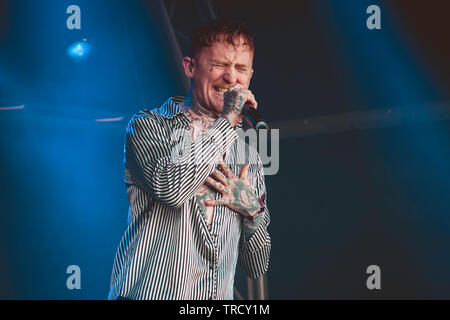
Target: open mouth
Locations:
point(220, 89)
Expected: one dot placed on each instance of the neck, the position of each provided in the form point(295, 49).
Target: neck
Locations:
point(196, 110)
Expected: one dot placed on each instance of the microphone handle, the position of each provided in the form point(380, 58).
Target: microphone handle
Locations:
point(254, 118)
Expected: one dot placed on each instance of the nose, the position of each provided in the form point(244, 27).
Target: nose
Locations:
point(230, 75)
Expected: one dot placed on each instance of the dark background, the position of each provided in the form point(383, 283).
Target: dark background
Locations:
point(364, 149)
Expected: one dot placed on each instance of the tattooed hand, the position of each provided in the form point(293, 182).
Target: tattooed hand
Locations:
point(237, 193)
point(234, 100)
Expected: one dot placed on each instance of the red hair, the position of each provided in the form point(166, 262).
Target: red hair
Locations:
point(221, 30)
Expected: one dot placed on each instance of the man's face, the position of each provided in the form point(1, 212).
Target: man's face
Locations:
point(220, 67)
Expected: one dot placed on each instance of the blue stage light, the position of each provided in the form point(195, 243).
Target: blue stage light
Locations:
point(79, 49)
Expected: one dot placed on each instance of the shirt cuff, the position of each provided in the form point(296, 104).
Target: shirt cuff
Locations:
point(251, 223)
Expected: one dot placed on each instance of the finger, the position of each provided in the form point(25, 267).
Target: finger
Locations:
point(250, 100)
point(237, 86)
point(248, 96)
point(217, 185)
point(226, 170)
point(217, 202)
point(244, 171)
point(220, 176)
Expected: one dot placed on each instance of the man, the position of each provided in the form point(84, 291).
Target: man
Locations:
point(194, 209)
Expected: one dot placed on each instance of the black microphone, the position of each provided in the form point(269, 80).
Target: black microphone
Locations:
point(253, 118)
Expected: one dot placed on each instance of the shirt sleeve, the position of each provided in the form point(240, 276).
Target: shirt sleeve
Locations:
point(156, 164)
point(255, 247)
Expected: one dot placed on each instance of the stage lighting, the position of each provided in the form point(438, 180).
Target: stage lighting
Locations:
point(79, 49)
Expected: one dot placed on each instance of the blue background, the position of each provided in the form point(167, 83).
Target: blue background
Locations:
point(342, 199)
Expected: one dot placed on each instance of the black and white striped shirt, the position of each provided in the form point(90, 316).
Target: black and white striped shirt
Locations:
point(168, 251)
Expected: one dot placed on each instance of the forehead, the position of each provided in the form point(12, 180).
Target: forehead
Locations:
point(225, 52)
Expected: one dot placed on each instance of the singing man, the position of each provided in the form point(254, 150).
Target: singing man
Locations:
point(196, 208)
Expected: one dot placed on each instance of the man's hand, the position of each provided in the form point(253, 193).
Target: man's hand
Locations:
point(234, 100)
point(237, 193)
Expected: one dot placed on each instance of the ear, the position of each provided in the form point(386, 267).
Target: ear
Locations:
point(188, 65)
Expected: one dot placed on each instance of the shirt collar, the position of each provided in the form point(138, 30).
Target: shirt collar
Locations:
point(170, 108)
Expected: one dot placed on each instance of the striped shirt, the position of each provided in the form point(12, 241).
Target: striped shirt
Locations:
point(168, 251)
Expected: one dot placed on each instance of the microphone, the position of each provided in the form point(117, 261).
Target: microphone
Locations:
point(253, 118)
